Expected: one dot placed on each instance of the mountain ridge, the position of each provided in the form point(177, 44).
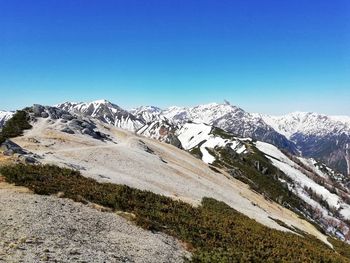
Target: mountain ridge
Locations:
point(319, 136)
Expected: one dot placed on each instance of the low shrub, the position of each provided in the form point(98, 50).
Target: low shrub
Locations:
point(215, 231)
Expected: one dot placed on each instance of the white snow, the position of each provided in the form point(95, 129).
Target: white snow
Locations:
point(292, 170)
point(311, 163)
point(191, 134)
point(273, 151)
point(308, 123)
point(194, 134)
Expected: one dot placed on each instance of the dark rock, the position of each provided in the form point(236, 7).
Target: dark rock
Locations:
point(75, 127)
point(29, 159)
point(173, 140)
point(67, 116)
point(88, 125)
point(76, 122)
point(11, 148)
point(44, 115)
point(38, 109)
point(87, 131)
point(67, 130)
point(8, 152)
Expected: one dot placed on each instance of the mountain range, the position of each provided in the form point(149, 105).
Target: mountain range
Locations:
point(325, 138)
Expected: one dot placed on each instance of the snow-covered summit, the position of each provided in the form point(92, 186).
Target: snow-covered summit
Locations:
point(316, 135)
point(205, 113)
point(308, 123)
point(104, 111)
point(147, 113)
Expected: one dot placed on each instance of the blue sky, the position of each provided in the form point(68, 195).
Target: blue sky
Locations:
point(265, 56)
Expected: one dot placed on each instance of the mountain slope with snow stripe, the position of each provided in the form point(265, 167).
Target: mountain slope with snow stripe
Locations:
point(203, 136)
point(302, 181)
point(106, 112)
point(4, 117)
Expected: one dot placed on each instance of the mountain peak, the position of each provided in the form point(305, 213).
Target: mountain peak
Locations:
point(101, 101)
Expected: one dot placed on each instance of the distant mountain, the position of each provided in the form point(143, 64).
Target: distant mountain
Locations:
point(147, 113)
point(106, 112)
point(322, 137)
point(231, 119)
point(5, 116)
point(316, 135)
point(161, 130)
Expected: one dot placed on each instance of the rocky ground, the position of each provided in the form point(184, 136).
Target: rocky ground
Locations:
point(37, 228)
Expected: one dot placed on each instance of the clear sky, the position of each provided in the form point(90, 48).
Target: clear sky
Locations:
point(266, 56)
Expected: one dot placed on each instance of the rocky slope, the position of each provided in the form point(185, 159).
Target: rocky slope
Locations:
point(35, 228)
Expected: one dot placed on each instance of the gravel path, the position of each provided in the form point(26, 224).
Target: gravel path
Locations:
point(37, 228)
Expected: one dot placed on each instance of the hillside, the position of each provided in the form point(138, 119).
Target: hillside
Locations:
point(303, 185)
point(280, 192)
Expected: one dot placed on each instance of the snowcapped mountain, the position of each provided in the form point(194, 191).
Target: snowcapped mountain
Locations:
point(147, 113)
point(317, 135)
point(232, 119)
point(161, 130)
point(106, 112)
point(308, 123)
point(5, 116)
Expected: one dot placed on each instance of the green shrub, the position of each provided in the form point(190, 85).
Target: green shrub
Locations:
point(215, 231)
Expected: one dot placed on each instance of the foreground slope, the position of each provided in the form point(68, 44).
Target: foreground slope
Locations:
point(213, 231)
point(35, 228)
